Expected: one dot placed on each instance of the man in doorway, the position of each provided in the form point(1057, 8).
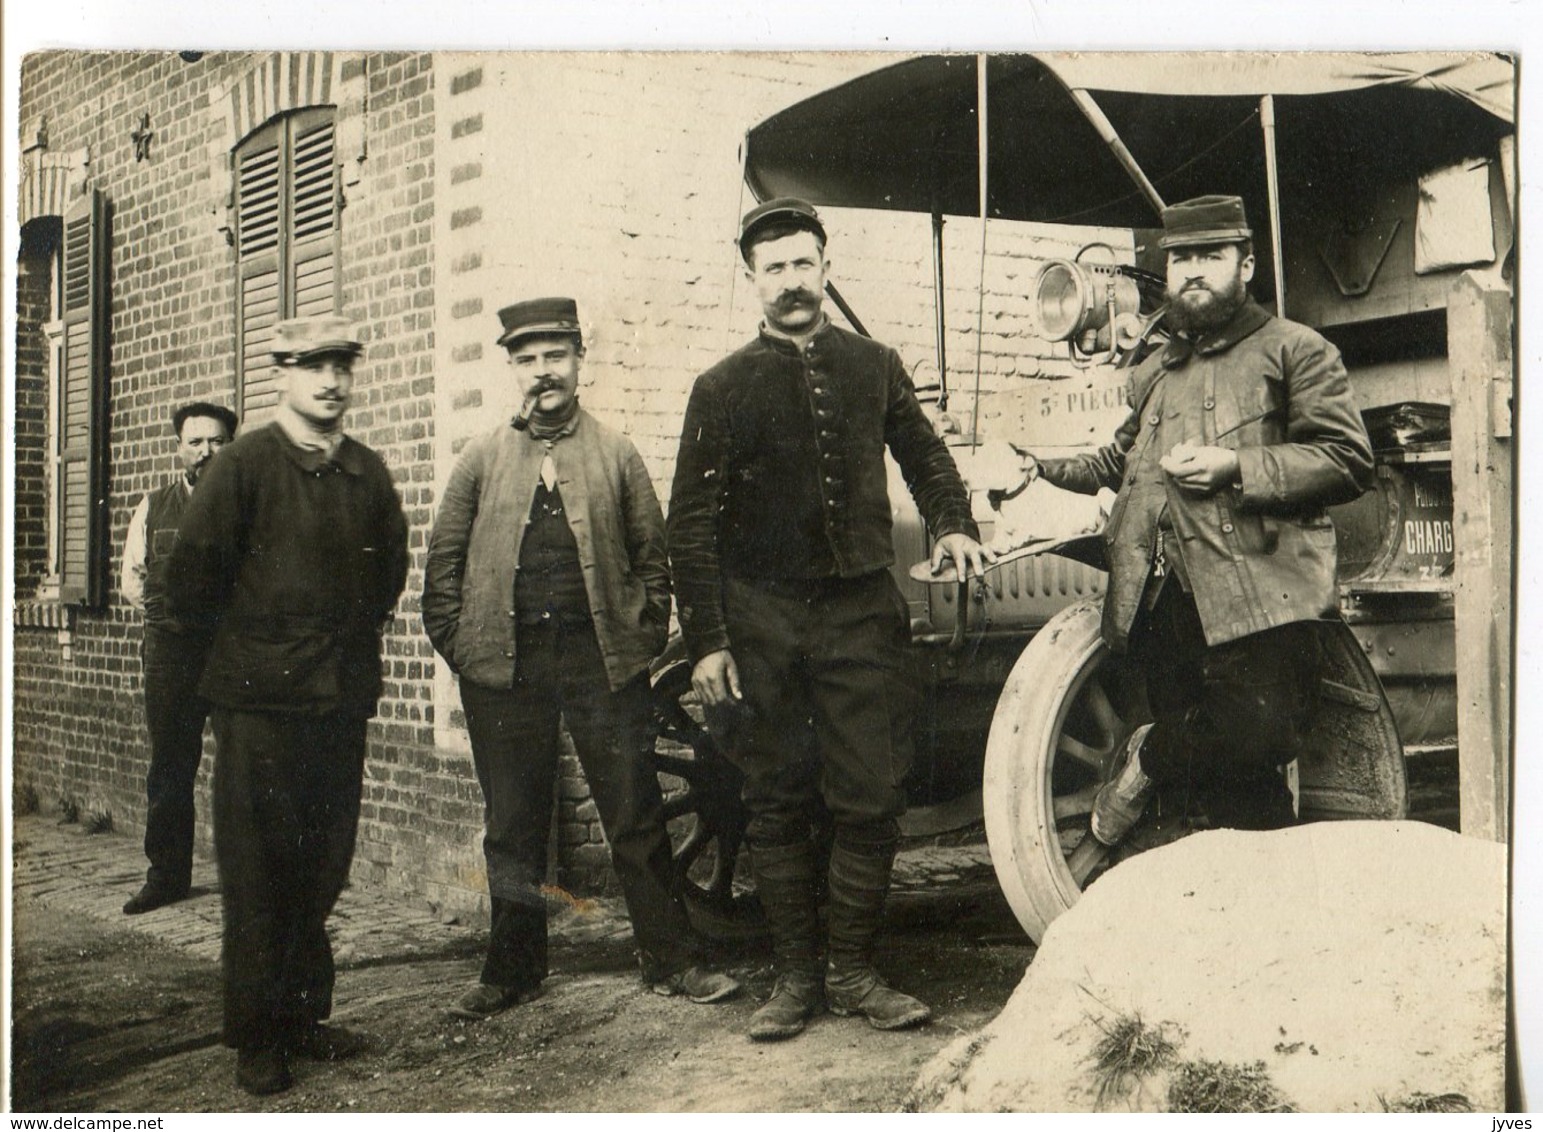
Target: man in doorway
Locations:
point(779, 536)
point(293, 552)
point(547, 591)
point(1242, 430)
point(173, 657)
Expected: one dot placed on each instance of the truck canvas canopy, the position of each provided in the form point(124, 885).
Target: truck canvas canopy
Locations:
point(906, 137)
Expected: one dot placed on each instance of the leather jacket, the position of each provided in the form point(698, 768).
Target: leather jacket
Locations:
point(1258, 553)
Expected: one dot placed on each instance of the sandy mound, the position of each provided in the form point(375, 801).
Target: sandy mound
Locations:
point(1345, 966)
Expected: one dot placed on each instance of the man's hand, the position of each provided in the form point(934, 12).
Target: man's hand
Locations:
point(1201, 471)
point(965, 553)
point(716, 679)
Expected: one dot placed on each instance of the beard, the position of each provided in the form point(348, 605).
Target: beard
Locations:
point(1197, 309)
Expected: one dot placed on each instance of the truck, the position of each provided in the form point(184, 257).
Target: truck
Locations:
point(1382, 193)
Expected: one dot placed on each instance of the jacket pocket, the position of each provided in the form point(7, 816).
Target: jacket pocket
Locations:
point(1116, 515)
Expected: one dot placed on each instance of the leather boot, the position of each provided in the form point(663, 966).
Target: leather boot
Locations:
point(784, 878)
point(859, 883)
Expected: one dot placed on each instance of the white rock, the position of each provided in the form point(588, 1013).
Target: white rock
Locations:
point(1381, 945)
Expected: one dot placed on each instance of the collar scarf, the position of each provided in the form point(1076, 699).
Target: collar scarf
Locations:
point(550, 426)
point(305, 435)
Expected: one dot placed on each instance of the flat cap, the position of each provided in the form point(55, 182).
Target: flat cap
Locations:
point(1204, 220)
point(800, 212)
point(298, 339)
point(539, 316)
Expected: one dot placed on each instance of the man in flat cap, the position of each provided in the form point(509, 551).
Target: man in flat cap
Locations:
point(293, 551)
point(547, 592)
point(1242, 430)
point(779, 537)
point(173, 656)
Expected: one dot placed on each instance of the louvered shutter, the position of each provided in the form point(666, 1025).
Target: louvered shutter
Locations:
point(314, 195)
point(287, 220)
point(259, 218)
point(82, 410)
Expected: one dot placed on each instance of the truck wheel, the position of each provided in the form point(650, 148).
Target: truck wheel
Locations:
point(1068, 706)
point(702, 808)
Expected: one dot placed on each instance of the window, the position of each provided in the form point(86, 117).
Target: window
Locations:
point(286, 242)
point(78, 364)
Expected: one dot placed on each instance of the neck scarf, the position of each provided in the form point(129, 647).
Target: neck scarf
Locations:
point(306, 434)
point(550, 426)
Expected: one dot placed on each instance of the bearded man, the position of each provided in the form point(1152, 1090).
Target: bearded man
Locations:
point(1242, 430)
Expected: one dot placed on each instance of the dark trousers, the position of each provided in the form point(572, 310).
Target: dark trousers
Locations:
point(286, 809)
point(829, 701)
point(1228, 716)
point(174, 714)
point(559, 674)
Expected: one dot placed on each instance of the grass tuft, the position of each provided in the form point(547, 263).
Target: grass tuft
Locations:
point(99, 821)
point(1427, 1102)
point(27, 800)
point(1129, 1051)
point(1220, 1086)
point(69, 811)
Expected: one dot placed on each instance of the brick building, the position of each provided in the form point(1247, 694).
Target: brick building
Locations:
point(174, 206)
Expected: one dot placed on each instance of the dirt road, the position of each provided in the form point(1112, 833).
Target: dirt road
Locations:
point(113, 1014)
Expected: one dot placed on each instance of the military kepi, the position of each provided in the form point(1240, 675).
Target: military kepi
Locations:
point(1204, 220)
point(539, 316)
point(300, 339)
point(801, 212)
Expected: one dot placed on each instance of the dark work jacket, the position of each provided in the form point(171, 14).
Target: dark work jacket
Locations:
point(1260, 553)
point(781, 471)
point(296, 560)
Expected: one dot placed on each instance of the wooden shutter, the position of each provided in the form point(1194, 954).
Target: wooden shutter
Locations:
point(259, 216)
point(287, 227)
point(82, 410)
point(314, 184)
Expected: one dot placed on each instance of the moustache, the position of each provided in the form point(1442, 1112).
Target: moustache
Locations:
point(794, 299)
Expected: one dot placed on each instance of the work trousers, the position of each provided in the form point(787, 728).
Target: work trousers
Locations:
point(174, 716)
point(559, 674)
point(828, 704)
point(286, 810)
point(1228, 716)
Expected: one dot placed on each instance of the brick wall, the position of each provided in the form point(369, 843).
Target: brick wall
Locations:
point(79, 725)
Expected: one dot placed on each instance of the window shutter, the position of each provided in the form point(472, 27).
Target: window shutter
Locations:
point(82, 423)
point(258, 246)
point(287, 242)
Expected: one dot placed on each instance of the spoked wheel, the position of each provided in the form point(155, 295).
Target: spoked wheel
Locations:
point(703, 808)
point(1068, 707)
point(1065, 712)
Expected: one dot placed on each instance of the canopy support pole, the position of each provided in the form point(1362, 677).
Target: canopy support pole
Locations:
point(939, 315)
point(841, 305)
point(1272, 178)
point(1095, 115)
point(983, 163)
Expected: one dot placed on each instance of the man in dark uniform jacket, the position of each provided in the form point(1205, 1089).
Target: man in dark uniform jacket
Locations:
point(173, 657)
point(294, 552)
point(779, 535)
point(1242, 431)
